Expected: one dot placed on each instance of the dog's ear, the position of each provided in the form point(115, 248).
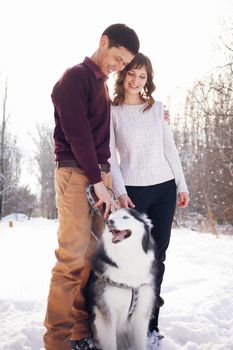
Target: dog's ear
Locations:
point(147, 221)
point(147, 242)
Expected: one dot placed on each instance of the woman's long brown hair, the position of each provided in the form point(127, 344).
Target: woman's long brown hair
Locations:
point(138, 62)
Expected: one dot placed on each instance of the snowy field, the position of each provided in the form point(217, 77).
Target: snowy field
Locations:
point(198, 288)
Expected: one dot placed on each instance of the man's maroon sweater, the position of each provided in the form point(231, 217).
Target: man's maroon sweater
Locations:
point(82, 118)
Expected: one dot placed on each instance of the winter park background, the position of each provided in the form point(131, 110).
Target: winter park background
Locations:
point(190, 44)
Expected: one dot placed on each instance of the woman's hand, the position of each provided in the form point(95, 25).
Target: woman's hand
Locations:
point(183, 199)
point(125, 201)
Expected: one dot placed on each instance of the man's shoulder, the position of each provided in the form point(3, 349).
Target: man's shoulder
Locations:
point(76, 75)
point(78, 70)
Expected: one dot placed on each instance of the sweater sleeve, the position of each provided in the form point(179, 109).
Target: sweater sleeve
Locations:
point(172, 155)
point(117, 179)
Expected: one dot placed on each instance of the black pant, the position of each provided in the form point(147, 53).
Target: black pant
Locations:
point(159, 203)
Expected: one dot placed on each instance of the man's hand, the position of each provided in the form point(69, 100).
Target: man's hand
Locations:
point(125, 201)
point(104, 197)
point(166, 114)
point(183, 199)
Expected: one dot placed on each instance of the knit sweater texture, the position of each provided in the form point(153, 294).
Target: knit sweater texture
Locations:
point(143, 151)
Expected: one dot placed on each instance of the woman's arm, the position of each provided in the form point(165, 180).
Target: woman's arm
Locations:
point(117, 179)
point(173, 158)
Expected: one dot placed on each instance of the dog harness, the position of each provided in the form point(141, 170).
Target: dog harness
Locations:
point(135, 291)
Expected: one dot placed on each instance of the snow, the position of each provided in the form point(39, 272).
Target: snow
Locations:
point(197, 288)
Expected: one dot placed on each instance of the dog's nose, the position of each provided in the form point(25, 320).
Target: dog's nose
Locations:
point(110, 222)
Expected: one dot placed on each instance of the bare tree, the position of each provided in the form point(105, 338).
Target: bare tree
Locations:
point(10, 156)
point(2, 148)
point(45, 161)
point(206, 142)
point(20, 200)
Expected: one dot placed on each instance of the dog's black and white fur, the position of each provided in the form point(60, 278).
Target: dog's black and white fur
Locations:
point(125, 257)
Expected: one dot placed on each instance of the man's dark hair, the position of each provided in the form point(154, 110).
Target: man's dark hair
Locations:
point(120, 35)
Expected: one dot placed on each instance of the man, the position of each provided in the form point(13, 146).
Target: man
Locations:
point(81, 138)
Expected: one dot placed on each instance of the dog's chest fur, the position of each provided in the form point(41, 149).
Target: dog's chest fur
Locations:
point(134, 269)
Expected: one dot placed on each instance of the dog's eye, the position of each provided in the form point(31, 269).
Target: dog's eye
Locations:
point(125, 217)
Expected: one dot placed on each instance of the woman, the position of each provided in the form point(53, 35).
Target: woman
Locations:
point(145, 164)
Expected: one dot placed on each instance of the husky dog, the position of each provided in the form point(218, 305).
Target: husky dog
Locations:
point(120, 291)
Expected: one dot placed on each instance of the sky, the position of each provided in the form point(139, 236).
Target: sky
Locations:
point(197, 287)
point(41, 38)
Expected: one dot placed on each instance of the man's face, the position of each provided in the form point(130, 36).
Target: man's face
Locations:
point(112, 59)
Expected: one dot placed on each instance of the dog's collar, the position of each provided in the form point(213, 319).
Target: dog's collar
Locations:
point(135, 291)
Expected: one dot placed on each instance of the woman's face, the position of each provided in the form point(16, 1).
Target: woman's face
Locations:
point(135, 80)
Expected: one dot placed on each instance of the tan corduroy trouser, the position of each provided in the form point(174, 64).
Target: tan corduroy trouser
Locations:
point(66, 316)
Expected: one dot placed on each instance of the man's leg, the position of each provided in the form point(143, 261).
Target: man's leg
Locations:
point(70, 271)
point(79, 309)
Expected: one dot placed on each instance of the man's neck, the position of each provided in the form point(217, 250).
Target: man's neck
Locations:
point(95, 58)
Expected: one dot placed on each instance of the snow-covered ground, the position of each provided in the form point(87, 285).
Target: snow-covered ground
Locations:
point(198, 287)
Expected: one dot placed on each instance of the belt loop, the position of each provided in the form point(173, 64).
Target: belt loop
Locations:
point(57, 165)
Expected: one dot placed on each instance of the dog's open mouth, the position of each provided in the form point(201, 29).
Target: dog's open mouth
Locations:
point(118, 236)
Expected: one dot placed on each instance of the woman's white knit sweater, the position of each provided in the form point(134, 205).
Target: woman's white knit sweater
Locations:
point(143, 152)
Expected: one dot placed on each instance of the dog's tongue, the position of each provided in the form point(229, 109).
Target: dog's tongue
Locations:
point(121, 235)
